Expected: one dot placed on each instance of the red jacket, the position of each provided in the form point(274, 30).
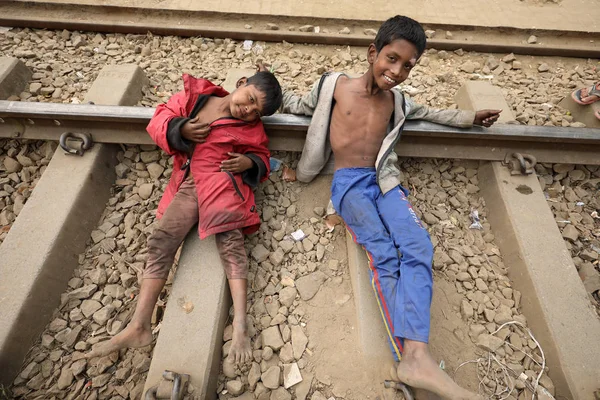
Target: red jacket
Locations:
point(225, 200)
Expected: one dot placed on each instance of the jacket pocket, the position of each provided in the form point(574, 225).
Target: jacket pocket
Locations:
point(235, 185)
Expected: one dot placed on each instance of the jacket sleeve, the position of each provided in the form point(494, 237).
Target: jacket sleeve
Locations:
point(457, 118)
point(259, 154)
point(302, 105)
point(158, 128)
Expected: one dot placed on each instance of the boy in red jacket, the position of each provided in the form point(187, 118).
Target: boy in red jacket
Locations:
point(219, 150)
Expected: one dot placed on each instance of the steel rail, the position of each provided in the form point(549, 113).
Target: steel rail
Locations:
point(117, 124)
point(123, 19)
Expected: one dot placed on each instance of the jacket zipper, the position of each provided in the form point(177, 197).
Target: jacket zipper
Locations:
point(235, 185)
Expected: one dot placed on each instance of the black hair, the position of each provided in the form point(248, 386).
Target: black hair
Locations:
point(401, 27)
point(269, 85)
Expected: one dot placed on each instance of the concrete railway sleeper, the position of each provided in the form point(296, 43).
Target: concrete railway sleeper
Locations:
point(488, 279)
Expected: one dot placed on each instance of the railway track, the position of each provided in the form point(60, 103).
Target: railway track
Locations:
point(118, 124)
point(123, 19)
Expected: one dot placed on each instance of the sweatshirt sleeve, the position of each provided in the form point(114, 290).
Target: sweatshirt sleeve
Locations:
point(302, 105)
point(457, 118)
point(158, 128)
point(174, 138)
point(253, 176)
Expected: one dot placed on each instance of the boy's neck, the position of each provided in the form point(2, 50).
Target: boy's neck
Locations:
point(222, 105)
point(368, 82)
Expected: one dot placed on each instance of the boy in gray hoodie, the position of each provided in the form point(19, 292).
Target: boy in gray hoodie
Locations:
point(360, 120)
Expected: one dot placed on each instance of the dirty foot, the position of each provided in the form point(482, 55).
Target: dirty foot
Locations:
point(289, 175)
point(418, 369)
point(132, 336)
point(240, 351)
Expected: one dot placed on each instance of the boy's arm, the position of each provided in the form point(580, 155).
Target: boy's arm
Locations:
point(168, 118)
point(457, 118)
point(252, 161)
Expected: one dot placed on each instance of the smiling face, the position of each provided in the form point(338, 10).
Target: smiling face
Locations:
point(247, 102)
point(393, 63)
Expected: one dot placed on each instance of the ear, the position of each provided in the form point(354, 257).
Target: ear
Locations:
point(371, 53)
point(241, 82)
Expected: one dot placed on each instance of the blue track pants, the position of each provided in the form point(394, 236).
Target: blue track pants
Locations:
point(399, 249)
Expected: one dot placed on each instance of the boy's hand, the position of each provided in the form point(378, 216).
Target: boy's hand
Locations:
point(260, 67)
point(486, 117)
point(195, 131)
point(238, 163)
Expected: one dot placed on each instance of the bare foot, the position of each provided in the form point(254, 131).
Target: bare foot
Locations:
point(134, 335)
point(289, 175)
point(419, 370)
point(240, 351)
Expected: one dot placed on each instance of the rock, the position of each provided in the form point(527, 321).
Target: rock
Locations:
point(570, 233)
point(291, 375)
point(229, 369)
point(145, 190)
point(489, 342)
point(272, 27)
point(148, 157)
point(287, 296)
point(563, 168)
point(543, 67)
point(235, 387)
point(370, 32)
point(280, 394)
point(101, 380)
point(271, 377)
point(318, 396)
point(429, 33)
point(306, 28)
point(576, 175)
point(254, 375)
point(102, 316)
point(267, 353)
point(12, 165)
point(83, 292)
point(299, 341)
point(114, 291)
point(78, 366)
point(345, 31)
point(466, 310)
point(272, 337)
point(260, 253)
point(277, 256)
point(308, 245)
point(303, 387)
point(69, 336)
point(155, 170)
point(509, 58)
point(532, 39)
point(66, 378)
point(286, 354)
point(309, 285)
point(590, 278)
point(30, 370)
point(481, 285)
point(89, 307)
point(469, 67)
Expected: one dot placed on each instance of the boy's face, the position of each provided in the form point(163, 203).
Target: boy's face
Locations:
point(393, 63)
point(246, 102)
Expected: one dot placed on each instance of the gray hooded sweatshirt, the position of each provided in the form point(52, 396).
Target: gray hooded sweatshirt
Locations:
point(318, 103)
